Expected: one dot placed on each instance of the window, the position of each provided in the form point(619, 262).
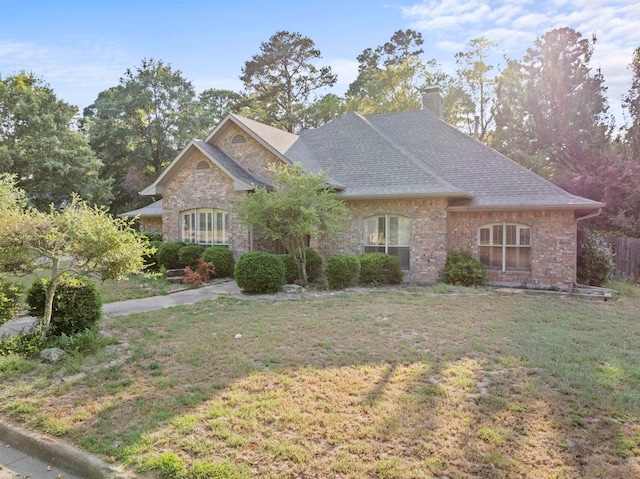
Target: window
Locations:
point(505, 246)
point(388, 234)
point(206, 226)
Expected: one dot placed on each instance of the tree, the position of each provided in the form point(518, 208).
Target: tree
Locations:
point(139, 126)
point(77, 239)
point(300, 205)
point(476, 86)
point(216, 104)
point(555, 104)
point(631, 103)
point(280, 79)
point(323, 110)
point(40, 145)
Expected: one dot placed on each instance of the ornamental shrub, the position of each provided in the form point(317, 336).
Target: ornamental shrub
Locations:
point(464, 269)
point(342, 270)
point(9, 300)
point(380, 268)
point(188, 255)
point(314, 265)
point(76, 305)
point(596, 263)
point(167, 255)
point(290, 268)
point(259, 272)
point(222, 259)
point(152, 235)
point(151, 260)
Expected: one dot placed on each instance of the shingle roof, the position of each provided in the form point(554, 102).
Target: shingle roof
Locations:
point(154, 209)
point(230, 165)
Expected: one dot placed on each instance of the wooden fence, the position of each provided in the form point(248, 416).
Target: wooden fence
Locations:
point(627, 257)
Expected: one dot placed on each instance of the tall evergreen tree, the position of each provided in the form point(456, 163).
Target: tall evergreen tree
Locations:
point(631, 103)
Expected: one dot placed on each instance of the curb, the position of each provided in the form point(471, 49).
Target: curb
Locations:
point(59, 454)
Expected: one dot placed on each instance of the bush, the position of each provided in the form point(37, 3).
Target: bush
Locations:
point(341, 270)
point(167, 255)
point(201, 274)
point(314, 265)
point(76, 305)
point(380, 268)
point(188, 255)
point(464, 269)
point(9, 300)
point(151, 262)
point(259, 272)
point(222, 259)
point(595, 264)
point(152, 235)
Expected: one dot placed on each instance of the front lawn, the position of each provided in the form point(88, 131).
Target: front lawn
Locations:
point(411, 383)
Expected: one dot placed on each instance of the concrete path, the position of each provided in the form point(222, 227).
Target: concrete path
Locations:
point(24, 454)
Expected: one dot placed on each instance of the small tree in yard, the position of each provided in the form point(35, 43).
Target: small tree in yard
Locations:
point(300, 205)
point(78, 239)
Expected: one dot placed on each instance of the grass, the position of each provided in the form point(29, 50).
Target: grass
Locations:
point(413, 383)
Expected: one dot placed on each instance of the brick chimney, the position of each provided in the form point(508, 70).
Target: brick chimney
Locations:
point(432, 100)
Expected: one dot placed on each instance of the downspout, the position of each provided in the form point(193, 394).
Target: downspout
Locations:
point(594, 213)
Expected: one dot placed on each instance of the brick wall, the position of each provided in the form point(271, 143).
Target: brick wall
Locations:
point(553, 245)
point(151, 224)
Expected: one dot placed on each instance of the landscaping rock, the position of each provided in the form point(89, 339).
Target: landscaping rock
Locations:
point(52, 355)
point(292, 289)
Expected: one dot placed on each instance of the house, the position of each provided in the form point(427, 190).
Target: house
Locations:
point(416, 188)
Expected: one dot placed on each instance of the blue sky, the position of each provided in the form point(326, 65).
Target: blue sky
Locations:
point(83, 47)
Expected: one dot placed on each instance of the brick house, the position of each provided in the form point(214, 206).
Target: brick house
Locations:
point(416, 188)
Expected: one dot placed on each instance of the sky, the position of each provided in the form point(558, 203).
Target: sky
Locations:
point(80, 48)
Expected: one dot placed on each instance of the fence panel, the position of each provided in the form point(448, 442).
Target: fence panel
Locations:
point(627, 257)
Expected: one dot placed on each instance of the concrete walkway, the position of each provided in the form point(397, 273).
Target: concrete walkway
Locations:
point(24, 454)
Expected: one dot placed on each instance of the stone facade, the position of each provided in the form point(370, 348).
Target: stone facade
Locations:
point(151, 224)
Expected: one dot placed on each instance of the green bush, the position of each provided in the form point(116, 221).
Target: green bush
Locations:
point(596, 263)
point(22, 345)
point(259, 272)
point(222, 259)
point(152, 235)
point(464, 269)
point(188, 255)
point(76, 305)
point(380, 268)
point(290, 268)
point(151, 262)
point(9, 300)
point(314, 265)
point(167, 255)
point(342, 270)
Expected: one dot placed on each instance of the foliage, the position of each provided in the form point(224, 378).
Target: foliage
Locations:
point(77, 239)
point(313, 265)
point(341, 270)
point(596, 260)
point(300, 205)
point(77, 305)
point(223, 260)
point(9, 300)
point(464, 269)
point(87, 341)
point(281, 79)
point(217, 470)
point(216, 104)
point(259, 272)
point(631, 103)
point(202, 273)
point(152, 235)
point(168, 254)
point(380, 268)
point(22, 345)
point(140, 125)
point(189, 254)
point(151, 262)
point(290, 268)
point(40, 144)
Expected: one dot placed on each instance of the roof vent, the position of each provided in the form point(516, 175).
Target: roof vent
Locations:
point(432, 100)
point(203, 165)
point(238, 140)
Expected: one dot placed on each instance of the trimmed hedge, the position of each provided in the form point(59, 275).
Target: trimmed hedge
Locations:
point(342, 270)
point(314, 265)
point(76, 305)
point(189, 254)
point(259, 272)
point(168, 255)
point(222, 259)
point(464, 269)
point(380, 268)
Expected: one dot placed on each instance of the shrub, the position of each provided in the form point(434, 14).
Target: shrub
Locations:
point(76, 305)
point(167, 255)
point(152, 235)
point(290, 268)
point(464, 269)
point(341, 270)
point(222, 259)
point(188, 255)
point(259, 272)
point(595, 264)
point(380, 268)
point(9, 300)
point(22, 345)
point(151, 262)
point(314, 265)
point(201, 274)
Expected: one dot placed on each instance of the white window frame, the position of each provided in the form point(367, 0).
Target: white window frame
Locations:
point(205, 226)
point(505, 236)
point(386, 240)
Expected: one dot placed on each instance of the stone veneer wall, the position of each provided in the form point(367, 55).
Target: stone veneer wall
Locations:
point(151, 224)
point(553, 243)
point(427, 254)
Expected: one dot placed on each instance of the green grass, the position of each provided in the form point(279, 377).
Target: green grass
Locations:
point(416, 382)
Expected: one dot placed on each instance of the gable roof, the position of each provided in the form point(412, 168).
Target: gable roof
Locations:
point(406, 154)
point(149, 211)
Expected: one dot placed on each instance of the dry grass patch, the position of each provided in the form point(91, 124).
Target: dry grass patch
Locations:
point(399, 384)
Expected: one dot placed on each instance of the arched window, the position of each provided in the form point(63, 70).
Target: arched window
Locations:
point(206, 226)
point(238, 139)
point(505, 246)
point(388, 234)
